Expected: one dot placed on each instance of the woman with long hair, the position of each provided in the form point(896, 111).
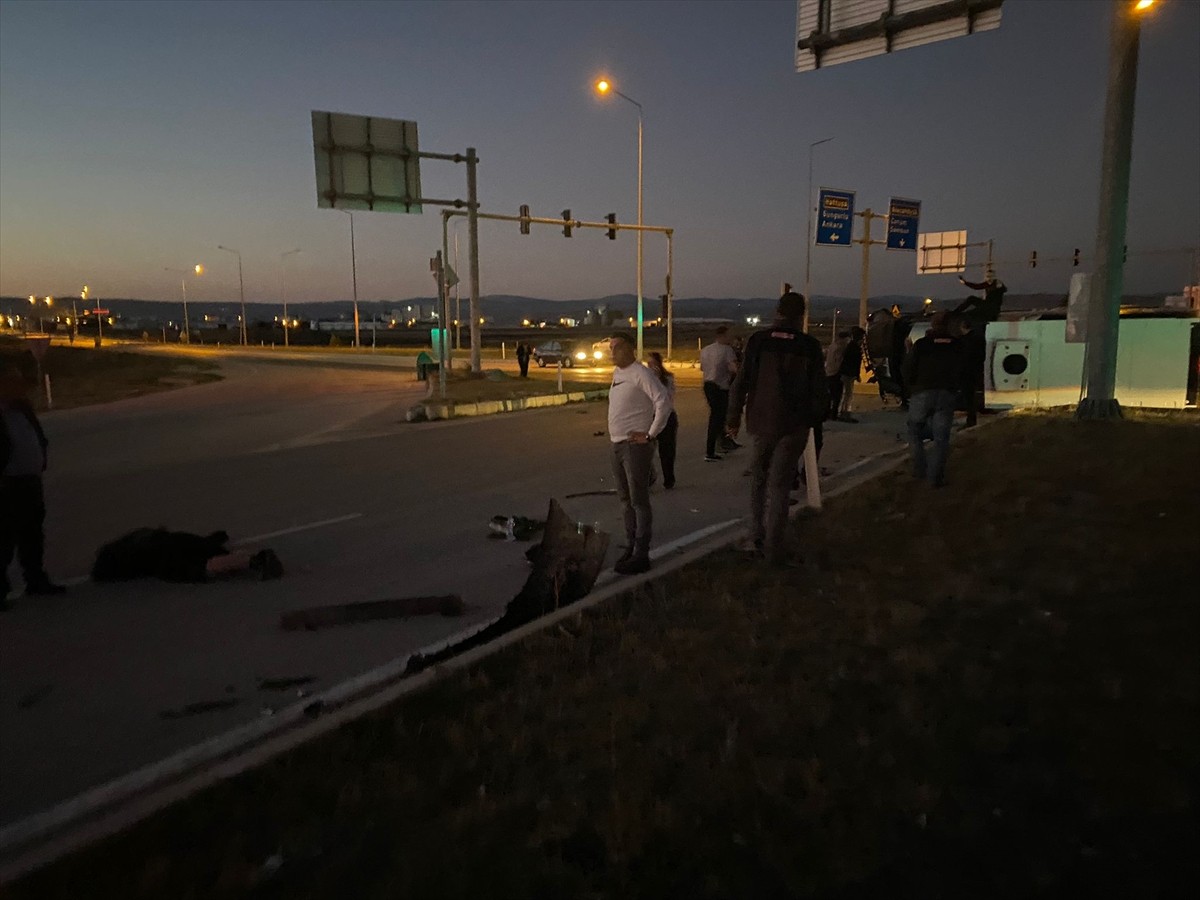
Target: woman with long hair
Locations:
point(666, 440)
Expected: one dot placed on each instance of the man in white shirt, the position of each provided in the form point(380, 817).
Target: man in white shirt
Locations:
point(718, 365)
point(638, 410)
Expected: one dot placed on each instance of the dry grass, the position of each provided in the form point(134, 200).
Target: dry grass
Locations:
point(985, 691)
point(466, 389)
point(81, 376)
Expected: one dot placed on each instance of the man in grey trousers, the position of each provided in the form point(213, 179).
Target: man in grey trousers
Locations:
point(783, 389)
point(638, 410)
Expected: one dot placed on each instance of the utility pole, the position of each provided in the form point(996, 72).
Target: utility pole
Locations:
point(473, 257)
point(867, 215)
point(1104, 315)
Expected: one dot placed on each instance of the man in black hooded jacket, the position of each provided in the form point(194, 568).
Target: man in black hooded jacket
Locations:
point(783, 389)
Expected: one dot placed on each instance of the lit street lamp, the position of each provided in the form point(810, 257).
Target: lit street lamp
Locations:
point(183, 273)
point(282, 294)
point(604, 87)
point(809, 243)
point(353, 275)
point(34, 302)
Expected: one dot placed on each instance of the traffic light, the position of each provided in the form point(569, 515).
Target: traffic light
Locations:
point(1033, 259)
point(524, 218)
point(1075, 258)
point(566, 223)
point(612, 232)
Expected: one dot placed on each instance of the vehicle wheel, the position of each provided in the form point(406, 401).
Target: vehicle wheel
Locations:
point(541, 363)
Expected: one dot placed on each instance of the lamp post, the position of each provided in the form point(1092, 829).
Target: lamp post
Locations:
point(353, 275)
point(604, 87)
point(1104, 305)
point(809, 242)
point(282, 293)
point(198, 269)
point(241, 288)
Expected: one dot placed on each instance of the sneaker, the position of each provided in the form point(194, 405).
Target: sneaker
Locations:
point(44, 588)
point(730, 444)
point(266, 564)
point(713, 458)
point(633, 566)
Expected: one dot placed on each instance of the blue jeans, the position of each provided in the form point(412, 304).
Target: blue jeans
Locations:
point(930, 415)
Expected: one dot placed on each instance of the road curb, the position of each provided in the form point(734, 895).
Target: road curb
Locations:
point(435, 410)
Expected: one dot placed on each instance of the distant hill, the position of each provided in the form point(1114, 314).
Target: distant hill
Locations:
point(509, 310)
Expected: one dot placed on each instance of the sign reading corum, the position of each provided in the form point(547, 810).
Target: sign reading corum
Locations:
point(829, 32)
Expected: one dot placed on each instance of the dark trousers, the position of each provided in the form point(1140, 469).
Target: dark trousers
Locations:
point(718, 408)
point(666, 450)
point(835, 395)
point(930, 415)
point(523, 362)
point(22, 512)
point(771, 475)
point(631, 468)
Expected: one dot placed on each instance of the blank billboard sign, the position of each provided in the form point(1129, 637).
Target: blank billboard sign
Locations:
point(829, 32)
point(941, 251)
point(366, 162)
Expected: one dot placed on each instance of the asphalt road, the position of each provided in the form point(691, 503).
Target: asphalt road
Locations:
point(315, 461)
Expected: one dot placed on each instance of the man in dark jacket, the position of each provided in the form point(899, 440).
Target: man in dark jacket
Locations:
point(783, 389)
point(22, 507)
point(935, 370)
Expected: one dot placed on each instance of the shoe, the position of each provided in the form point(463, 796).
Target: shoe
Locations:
point(713, 458)
point(266, 564)
point(624, 557)
point(632, 566)
point(667, 485)
point(730, 444)
point(44, 588)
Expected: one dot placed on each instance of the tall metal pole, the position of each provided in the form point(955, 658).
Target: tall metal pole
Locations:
point(242, 298)
point(282, 291)
point(473, 254)
point(353, 277)
point(865, 290)
point(444, 295)
point(1104, 313)
point(808, 244)
point(457, 300)
point(640, 313)
point(670, 293)
point(187, 334)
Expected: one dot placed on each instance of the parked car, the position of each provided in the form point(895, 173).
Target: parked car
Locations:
point(572, 353)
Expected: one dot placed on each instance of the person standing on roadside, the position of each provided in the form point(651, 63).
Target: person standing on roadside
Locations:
point(638, 410)
point(718, 366)
point(666, 440)
point(833, 371)
point(936, 371)
point(523, 358)
point(849, 371)
point(784, 392)
point(22, 502)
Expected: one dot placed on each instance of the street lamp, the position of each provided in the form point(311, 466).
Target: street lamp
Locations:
point(282, 294)
point(198, 269)
point(241, 288)
point(809, 243)
point(353, 275)
point(603, 87)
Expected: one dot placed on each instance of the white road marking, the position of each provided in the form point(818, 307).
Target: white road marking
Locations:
point(273, 534)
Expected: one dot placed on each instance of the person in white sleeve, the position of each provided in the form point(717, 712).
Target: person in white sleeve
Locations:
point(638, 410)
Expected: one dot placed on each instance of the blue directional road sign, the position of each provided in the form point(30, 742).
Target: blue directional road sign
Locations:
point(835, 218)
point(903, 216)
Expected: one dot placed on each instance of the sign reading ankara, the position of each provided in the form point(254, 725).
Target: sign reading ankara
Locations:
point(835, 218)
point(903, 216)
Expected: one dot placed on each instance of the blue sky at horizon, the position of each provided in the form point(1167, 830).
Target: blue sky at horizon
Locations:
point(138, 136)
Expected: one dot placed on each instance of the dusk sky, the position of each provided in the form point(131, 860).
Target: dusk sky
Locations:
point(138, 136)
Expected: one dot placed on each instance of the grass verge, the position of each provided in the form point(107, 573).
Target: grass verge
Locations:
point(464, 389)
point(984, 691)
point(81, 376)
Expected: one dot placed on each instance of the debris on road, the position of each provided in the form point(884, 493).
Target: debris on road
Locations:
point(609, 493)
point(315, 617)
point(514, 528)
point(566, 565)
point(198, 708)
point(283, 684)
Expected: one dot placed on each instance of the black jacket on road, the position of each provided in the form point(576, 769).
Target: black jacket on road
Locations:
point(781, 385)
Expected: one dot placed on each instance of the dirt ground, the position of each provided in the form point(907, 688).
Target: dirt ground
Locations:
point(81, 376)
point(989, 690)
